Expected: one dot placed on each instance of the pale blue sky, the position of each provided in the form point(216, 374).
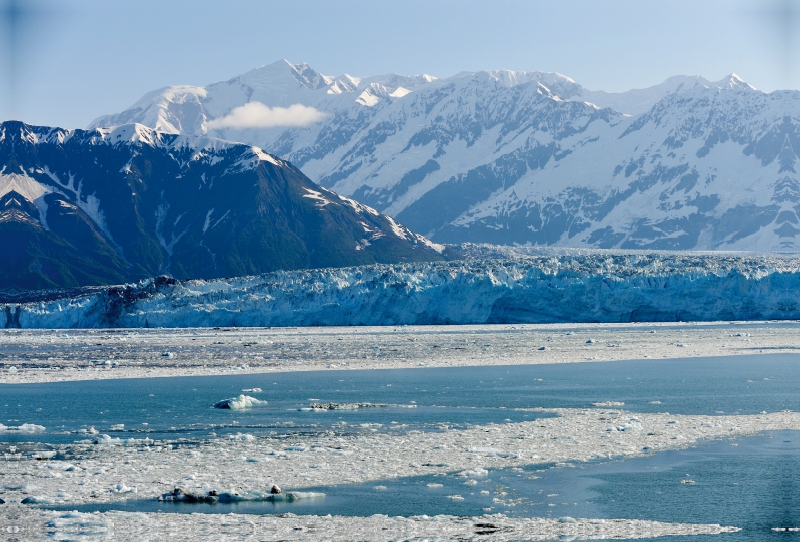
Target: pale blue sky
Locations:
point(78, 59)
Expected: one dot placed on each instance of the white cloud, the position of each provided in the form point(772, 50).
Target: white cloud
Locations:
point(258, 115)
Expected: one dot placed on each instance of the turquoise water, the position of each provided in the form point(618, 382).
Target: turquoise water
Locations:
point(181, 407)
point(753, 485)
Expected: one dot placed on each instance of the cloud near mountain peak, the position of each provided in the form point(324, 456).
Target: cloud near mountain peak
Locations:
point(258, 115)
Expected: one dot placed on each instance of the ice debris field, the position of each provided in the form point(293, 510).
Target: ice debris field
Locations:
point(467, 445)
point(592, 286)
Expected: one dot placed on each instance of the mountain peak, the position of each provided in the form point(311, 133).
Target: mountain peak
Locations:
point(733, 81)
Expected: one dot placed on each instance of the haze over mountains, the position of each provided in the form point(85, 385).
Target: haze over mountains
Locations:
point(521, 158)
point(106, 206)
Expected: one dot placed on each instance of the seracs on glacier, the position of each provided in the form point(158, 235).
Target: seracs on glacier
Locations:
point(568, 287)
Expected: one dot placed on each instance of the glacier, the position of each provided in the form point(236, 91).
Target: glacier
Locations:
point(590, 286)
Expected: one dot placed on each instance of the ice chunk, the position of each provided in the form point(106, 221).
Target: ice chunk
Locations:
point(78, 519)
point(252, 390)
point(37, 500)
point(474, 473)
point(24, 428)
point(238, 403)
point(116, 441)
point(182, 495)
point(242, 436)
point(239, 495)
point(345, 406)
point(42, 455)
point(122, 488)
point(483, 450)
point(255, 495)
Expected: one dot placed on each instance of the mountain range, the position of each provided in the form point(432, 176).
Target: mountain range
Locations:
point(525, 158)
point(107, 206)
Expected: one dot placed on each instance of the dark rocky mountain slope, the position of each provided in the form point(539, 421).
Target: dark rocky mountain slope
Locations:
point(105, 206)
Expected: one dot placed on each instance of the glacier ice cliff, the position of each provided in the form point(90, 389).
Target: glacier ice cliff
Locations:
point(592, 286)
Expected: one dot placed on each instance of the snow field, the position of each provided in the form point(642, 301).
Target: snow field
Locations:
point(98, 472)
point(50, 355)
point(495, 527)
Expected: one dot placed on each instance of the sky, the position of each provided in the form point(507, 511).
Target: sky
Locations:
point(65, 62)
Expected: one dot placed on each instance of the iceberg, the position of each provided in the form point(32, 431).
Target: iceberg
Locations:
point(24, 428)
point(239, 403)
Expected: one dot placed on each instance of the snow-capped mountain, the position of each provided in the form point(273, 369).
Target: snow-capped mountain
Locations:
point(105, 206)
point(522, 157)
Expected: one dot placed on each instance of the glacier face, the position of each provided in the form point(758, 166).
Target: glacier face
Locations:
point(529, 158)
point(577, 286)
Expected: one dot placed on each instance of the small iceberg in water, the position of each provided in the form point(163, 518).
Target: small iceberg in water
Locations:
point(274, 494)
point(238, 403)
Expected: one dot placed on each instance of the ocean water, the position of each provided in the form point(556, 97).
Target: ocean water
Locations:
point(182, 407)
point(754, 484)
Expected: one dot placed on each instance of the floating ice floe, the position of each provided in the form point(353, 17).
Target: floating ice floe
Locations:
point(80, 520)
point(473, 473)
point(609, 404)
point(122, 488)
point(238, 403)
point(252, 390)
point(241, 436)
point(239, 495)
point(24, 428)
point(42, 455)
point(345, 406)
point(116, 441)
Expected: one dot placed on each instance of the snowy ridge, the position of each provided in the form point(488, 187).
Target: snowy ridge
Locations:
point(528, 158)
point(594, 287)
point(124, 203)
